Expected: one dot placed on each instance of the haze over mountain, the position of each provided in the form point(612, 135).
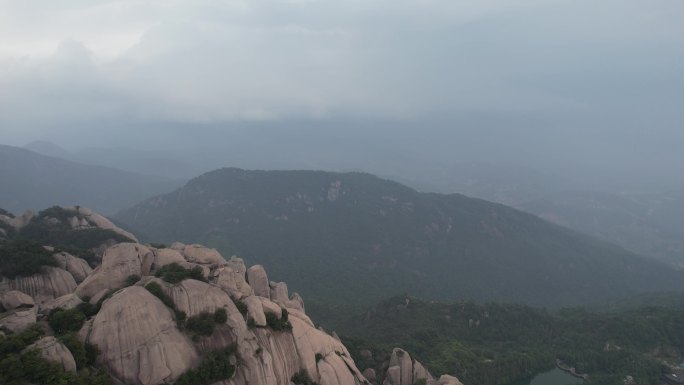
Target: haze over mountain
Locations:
point(323, 231)
point(32, 180)
point(649, 224)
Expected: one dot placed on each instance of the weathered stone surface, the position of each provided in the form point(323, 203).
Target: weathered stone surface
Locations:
point(255, 310)
point(278, 349)
point(301, 316)
point(78, 267)
point(202, 255)
point(393, 376)
point(370, 375)
point(310, 341)
point(13, 299)
point(100, 221)
point(99, 296)
point(138, 339)
point(53, 282)
point(194, 297)
point(296, 302)
point(68, 301)
point(278, 292)
point(420, 373)
point(403, 360)
point(53, 350)
point(118, 263)
point(448, 380)
point(18, 222)
point(18, 319)
point(231, 277)
point(258, 280)
point(333, 370)
point(164, 257)
point(271, 307)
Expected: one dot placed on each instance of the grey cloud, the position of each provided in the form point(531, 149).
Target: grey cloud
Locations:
point(570, 62)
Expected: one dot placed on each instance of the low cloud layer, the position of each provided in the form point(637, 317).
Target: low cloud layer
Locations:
point(612, 63)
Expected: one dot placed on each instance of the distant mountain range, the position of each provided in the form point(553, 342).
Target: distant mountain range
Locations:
point(32, 180)
point(648, 224)
point(353, 238)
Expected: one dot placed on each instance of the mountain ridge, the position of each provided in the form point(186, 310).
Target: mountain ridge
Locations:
point(389, 238)
point(33, 180)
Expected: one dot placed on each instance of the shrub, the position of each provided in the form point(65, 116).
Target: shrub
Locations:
point(215, 367)
point(77, 349)
point(278, 324)
point(132, 280)
point(23, 258)
point(201, 324)
point(157, 291)
point(302, 378)
point(88, 309)
point(31, 367)
point(64, 321)
point(220, 316)
point(16, 342)
point(241, 306)
point(174, 273)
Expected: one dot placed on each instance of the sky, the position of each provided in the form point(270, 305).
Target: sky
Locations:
point(606, 74)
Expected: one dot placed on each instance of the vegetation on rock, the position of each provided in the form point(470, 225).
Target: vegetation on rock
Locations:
point(17, 368)
point(23, 258)
point(215, 367)
point(175, 273)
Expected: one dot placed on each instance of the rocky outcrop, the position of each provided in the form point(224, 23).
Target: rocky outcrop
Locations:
point(78, 267)
point(119, 262)
point(446, 379)
point(279, 295)
point(53, 282)
point(86, 218)
point(18, 222)
point(255, 310)
point(403, 370)
point(138, 339)
point(14, 299)
point(199, 254)
point(53, 350)
point(141, 341)
point(231, 277)
point(18, 319)
point(65, 302)
point(258, 280)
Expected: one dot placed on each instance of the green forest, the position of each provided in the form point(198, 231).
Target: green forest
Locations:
point(497, 344)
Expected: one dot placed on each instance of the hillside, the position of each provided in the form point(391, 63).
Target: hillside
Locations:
point(648, 224)
point(355, 238)
point(497, 344)
point(31, 180)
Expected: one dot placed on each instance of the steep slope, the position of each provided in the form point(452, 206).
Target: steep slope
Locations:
point(33, 180)
point(648, 224)
point(352, 237)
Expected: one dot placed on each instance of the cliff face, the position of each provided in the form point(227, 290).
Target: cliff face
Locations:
point(163, 311)
point(141, 342)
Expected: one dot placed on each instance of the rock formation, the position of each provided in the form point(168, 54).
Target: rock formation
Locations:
point(55, 351)
point(142, 325)
point(53, 282)
point(78, 267)
point(119, 262)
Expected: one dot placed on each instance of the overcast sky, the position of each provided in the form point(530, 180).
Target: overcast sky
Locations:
point(68, 67)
